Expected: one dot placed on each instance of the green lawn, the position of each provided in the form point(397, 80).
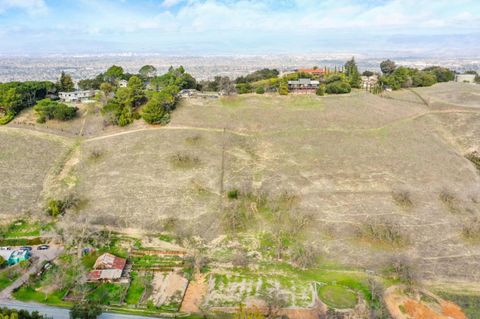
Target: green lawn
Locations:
point(108, 293)
point(8, 276)
point(337, 297)
point(28, 293)
point(21, 228)
point(137, 287)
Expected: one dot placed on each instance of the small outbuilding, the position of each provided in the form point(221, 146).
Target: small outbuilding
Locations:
point(13, 257)
point(108, 267)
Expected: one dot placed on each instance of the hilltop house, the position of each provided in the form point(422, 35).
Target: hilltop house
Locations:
point(13, 257)
point(317, 72)
point(303, 86)
point(123, 83)
point(107, 268)
point(465, 78)
point(76, 96)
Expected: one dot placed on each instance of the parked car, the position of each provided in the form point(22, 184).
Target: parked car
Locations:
point(5, 248)
point(43, 247)
point(26, 248)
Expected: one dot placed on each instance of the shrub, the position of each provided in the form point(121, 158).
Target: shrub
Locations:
point(321, 90)
point(338, 87)
point(283, 89)
point(474, 158)
point(471, 230)
point(260, 90)
point(449, 200)
point(233, 194)
point(57, 207)
point(401, 268)
point(402, 199)
point(182, 160)
point(95, 154)
point(47, 109)
point(244, 88)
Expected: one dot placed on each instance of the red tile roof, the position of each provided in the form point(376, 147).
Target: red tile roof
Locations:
point(313, 71)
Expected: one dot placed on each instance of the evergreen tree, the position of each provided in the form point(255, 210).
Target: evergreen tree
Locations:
point(65, 83)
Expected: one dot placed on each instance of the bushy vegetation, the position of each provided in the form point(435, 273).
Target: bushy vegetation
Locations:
point(262, 74)
point(474, 157)
point(56, 207)
point(7, 313)
point(471, 230)
point(184, 160)
point(402, 199)
point(382, 232)
point(404, 77)
point(121, 110)
point(338, 87)
point(47, 109)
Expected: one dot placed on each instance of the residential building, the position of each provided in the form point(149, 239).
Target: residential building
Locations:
point(123, 83)
point(369, 82)
point(76, 96)
point(108, 267)
point(465, 78)
point(317, 72)
point(303, 86)
point(13, 257)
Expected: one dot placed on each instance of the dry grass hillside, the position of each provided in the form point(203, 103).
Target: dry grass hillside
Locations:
point(381, 176)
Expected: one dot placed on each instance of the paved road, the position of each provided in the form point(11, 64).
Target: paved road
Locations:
point(58, 313)
point(40, 256)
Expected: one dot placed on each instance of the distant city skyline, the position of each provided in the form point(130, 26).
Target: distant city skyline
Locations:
point(206, 27)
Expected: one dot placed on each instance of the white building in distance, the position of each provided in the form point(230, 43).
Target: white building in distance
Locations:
point(465, 78)
point(76, 96)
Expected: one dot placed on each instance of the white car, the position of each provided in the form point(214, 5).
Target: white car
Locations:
point(5, 248)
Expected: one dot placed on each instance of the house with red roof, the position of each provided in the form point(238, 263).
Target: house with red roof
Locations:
point(317, 72)
point(108, 267)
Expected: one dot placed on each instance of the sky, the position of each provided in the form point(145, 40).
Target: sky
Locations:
point(227, 27)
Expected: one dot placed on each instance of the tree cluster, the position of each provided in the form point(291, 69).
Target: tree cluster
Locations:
point(405, 77)
point(15, 96)
point(7, 313)
point(262, 74)
point(47, 109)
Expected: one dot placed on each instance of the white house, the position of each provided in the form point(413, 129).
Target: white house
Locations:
point(76, 96)
point(123, 83)
point(468, 78)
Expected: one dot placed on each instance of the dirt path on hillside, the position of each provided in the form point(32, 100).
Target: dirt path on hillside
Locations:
point(196, 290)
point(402, 306)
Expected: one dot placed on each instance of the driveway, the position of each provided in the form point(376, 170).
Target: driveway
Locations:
point(38, 256)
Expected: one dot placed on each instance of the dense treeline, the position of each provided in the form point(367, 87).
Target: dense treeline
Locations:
point(15, 96)
point(6, 313)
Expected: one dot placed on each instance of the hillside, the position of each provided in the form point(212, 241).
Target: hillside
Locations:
point(350, 161)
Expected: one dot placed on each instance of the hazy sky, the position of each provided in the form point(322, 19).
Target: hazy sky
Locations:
point(193, 27)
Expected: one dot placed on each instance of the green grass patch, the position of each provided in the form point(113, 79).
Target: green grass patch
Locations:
point(337, 297)
point(22, 228)
point(29, 293)
point(137, 287)
point(107, 293)
point(154, 261)
point(8, 276)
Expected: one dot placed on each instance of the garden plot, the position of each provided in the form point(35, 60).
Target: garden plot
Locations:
point(227, 290)
point(168, 290)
